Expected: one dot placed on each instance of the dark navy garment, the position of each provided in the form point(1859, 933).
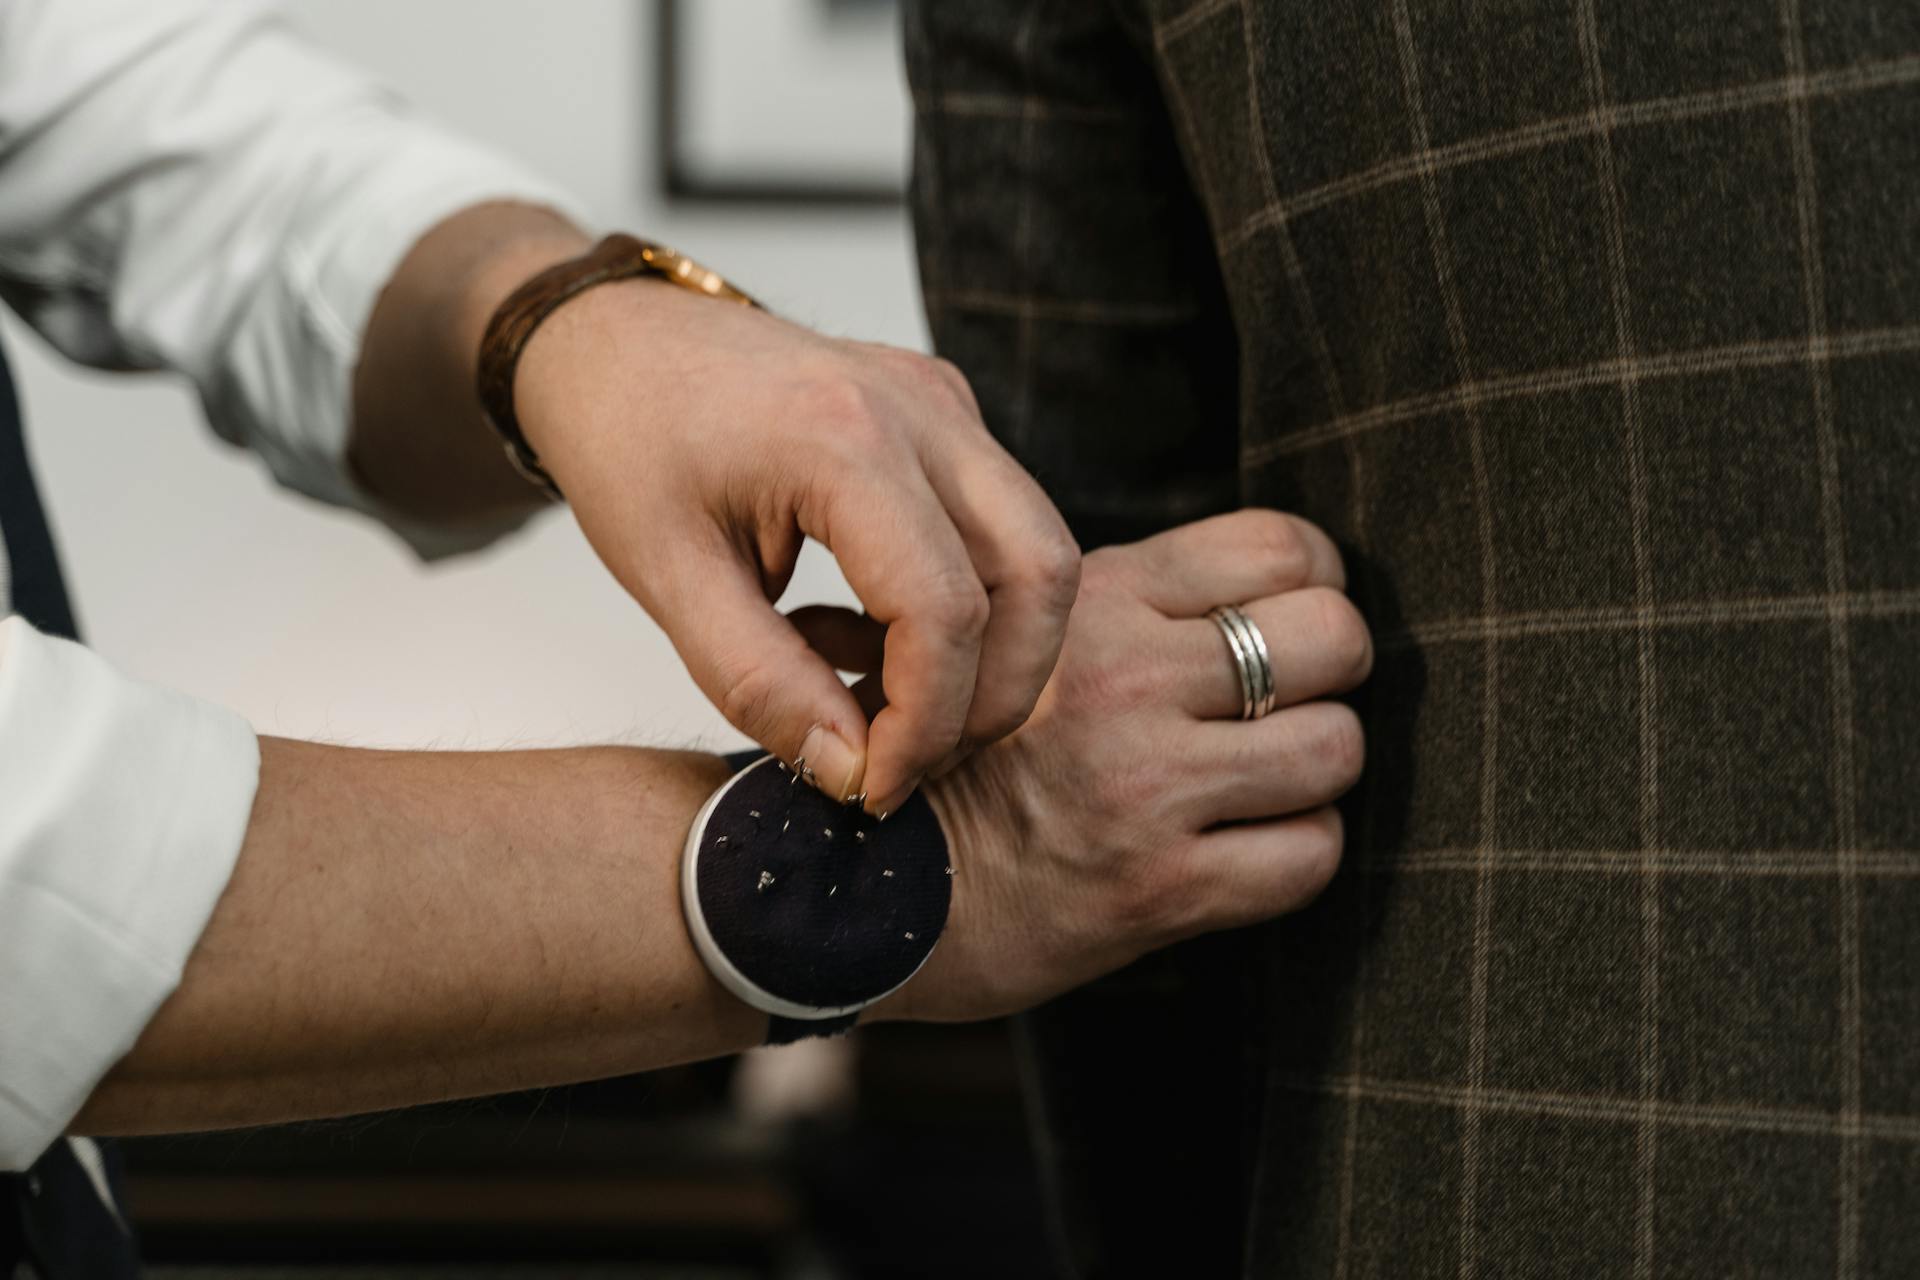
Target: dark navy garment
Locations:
point(39, 594)
point(52, 1217)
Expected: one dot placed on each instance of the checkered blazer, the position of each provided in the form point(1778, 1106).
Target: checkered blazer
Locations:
point(1591, 329)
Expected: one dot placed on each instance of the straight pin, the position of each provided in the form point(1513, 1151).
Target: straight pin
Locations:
point(784, 825)
point(833, 891)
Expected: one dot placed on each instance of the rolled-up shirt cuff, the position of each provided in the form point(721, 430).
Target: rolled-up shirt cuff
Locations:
point(123, 807)
point(290, 397)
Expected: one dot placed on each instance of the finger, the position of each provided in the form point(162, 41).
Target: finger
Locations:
point(1028, 563)
point(906, 562)
point(760, 672)
point(1317, 644)
point(1288, 762)
point(1255, 871)
point(847, 638)
point(1232, 559)
point(871, 697)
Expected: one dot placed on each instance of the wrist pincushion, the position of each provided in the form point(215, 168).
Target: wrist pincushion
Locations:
point(806, 908)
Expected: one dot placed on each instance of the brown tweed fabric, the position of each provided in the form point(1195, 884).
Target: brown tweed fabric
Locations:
point(1592, 329)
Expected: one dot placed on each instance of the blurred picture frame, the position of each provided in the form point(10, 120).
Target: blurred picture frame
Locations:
point(783, 101)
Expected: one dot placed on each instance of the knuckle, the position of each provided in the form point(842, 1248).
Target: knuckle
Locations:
point(1322, 849)
point(1053, 570)
point(944, 377)
point(934, 377)
point(957, 606)
point(842, 409)
point(1345, 635)
point(748, 699)
point(832, 392)
point(1343, 745)
point(950, 376)
point(1277, 541)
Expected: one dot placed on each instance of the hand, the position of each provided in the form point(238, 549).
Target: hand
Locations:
point(1134, 808)
point(698, 441)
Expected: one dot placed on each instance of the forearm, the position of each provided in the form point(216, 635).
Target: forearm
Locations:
point(409, 927)
point(419, 440)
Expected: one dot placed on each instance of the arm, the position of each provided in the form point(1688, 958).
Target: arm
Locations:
point(408, 927)
point(698, 443)
point(185, 184)
point(418, 437)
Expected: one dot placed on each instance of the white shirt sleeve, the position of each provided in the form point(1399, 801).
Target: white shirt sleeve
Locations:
point(122, 809)
point(186, 184)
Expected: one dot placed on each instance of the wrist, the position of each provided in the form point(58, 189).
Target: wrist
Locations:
point(417, 441)
point(638, 794)
point(509, 262)
point(522, 316)
point(978, 815)
point(596, 330)
point(477, 258)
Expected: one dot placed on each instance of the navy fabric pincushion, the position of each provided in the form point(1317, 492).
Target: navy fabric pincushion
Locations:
point(808, 908)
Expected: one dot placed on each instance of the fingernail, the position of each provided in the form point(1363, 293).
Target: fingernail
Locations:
point(891, 805)
point(832, 765)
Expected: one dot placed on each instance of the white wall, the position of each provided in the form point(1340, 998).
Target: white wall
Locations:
point(193, 570)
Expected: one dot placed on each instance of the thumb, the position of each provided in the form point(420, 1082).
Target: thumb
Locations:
point(759, 671)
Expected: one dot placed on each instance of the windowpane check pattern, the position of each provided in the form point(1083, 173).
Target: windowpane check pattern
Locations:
point(1591, 329)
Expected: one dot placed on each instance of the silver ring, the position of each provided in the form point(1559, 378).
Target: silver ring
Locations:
point(1252, 660)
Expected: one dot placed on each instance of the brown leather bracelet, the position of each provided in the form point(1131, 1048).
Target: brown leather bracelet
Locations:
point(618, 257)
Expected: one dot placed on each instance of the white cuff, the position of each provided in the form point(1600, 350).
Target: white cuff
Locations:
point(122, 810)
point(331, 277)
